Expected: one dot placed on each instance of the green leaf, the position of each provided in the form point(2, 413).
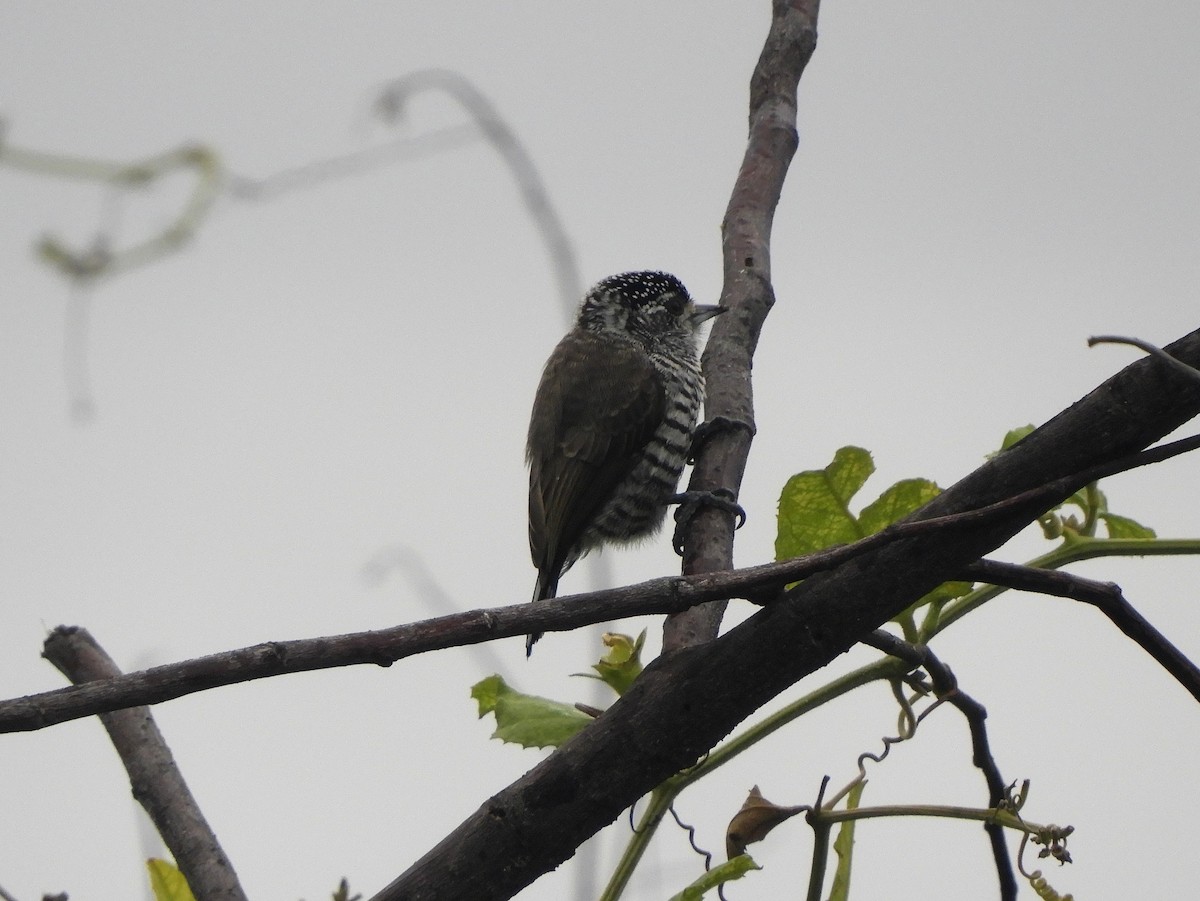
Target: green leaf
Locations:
point(1013, 436)
point(1124, 527)
point(896, 503)
point(167, 882)
point(718, 875)
point(814, 512)
point(946, 592)
point(623, 662)
point(486, 692)
point(843, 846)
point(1087, 499)
point(814, 508)
point(526, 720)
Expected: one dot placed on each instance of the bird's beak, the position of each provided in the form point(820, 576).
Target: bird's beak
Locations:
point(703, 312)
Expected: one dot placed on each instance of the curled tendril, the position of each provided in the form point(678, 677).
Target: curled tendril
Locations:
point(1014, 800)
point(906, 726)
point(633, 825)
point(691, 833)
point(1044, 889)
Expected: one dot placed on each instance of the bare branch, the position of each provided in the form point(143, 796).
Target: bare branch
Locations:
point(156, 781)
point(746, 249)
point(319, 171)
point(1107, 598)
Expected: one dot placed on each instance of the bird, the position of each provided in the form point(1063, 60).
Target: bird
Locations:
point(612, 421)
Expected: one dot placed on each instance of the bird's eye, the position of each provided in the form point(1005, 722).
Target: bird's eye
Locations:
point(674, 304)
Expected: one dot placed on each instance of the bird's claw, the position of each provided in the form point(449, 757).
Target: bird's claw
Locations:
point(710, 427)
point(691, 501)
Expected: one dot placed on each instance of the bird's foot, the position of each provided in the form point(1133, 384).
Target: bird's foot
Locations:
point(710, 427)
point(690, 503)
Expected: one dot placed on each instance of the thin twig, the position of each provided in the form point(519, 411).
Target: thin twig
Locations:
point(821, 827)
point(391, 104)
point(946, 687)
point(1153, 349)
point(317, 172)
point(156, 781)
point(1104, 596)
point(981, 755)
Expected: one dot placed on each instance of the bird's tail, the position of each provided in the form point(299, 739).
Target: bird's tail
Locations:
point(544, 590)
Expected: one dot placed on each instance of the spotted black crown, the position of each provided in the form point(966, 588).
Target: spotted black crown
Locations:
point(636, 289)
point(642, 302)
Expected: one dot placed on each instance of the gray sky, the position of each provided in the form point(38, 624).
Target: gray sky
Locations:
point(345, 372)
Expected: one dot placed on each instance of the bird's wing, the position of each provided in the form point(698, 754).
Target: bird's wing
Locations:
point(597, 407)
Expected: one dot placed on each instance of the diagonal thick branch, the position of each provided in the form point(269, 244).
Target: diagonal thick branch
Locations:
point(687, 701)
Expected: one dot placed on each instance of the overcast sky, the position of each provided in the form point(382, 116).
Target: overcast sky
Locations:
point(341, 375)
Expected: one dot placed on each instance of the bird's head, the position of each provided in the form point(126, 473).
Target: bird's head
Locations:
point(648, 306)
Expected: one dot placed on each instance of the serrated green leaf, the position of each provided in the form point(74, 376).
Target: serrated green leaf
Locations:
point(485, 692)
point(814, 505)
point(533, 722)
point(843, 846)
point(526, 720)
point(718, 875)
point(167, 882)
point(1124, 527)
point(896, 503)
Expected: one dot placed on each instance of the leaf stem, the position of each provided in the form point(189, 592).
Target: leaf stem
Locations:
point(664, 796)
point(660, 802)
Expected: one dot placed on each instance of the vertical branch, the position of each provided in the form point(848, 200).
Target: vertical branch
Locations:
point(156, 781)
point(746, 246)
